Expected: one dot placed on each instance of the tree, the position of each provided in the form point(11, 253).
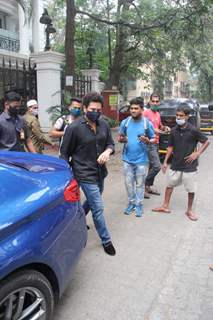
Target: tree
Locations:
point(142, 32)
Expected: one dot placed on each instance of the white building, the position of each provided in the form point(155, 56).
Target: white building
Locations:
point(20, 31)
point(22, 39)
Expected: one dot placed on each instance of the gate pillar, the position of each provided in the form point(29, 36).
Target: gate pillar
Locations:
point(48, 67)
point(94, 74)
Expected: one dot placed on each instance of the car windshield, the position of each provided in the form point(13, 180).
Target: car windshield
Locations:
point(168, 107)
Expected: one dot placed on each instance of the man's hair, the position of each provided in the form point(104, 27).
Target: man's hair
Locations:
point(12, 96)
point(92, 97)
point(138, 101)
point(154, 95)
point(183, 107)
point(75, 99)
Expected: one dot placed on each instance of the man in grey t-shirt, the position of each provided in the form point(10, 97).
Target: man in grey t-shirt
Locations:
point(14, 134)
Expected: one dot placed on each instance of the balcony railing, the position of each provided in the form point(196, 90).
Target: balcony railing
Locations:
point(9, 40)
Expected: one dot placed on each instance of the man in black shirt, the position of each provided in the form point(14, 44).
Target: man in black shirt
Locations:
point(183, 146)
point(88, 142)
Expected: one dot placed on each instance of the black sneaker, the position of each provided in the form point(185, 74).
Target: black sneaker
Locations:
point(109, 248)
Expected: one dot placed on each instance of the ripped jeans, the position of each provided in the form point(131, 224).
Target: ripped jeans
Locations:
point(135, 177)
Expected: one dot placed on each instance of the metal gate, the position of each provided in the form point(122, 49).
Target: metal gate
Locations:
point(81, 85)
point(19, 76)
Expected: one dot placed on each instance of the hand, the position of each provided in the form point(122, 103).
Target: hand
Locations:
point(158, 131)
point(122, 138)
point(167, 129)
point(192, 157)
point(104, 157)
point(144, 139)
point(164, 167)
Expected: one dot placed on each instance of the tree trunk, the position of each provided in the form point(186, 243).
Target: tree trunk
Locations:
point(121, 35)
point(70, 36)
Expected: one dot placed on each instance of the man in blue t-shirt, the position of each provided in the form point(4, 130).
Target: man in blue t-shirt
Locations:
point(135, 132)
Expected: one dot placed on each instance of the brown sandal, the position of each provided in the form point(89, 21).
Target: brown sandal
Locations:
point(161, 210)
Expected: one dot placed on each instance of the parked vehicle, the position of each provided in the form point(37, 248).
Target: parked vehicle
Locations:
point(42, 233)
point(124, 112)
point(206, 118)
point(167, 111)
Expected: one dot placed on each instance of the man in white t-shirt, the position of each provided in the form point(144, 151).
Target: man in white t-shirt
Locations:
point(75, 109)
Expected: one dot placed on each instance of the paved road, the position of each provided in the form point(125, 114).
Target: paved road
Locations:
point(160, 271)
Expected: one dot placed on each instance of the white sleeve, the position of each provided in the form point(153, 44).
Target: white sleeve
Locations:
point(58, 124)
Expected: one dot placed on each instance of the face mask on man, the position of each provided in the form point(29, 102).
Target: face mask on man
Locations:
point(93, 115)
point(180, 122)
point(154, 108)
point(75, 112)
point(13, 111)
point(35, 112)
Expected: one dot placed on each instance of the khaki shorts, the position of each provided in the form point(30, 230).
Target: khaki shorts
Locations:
point(188, 179)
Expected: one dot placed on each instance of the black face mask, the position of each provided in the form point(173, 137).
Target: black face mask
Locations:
point(13, 111)
point(93, 115)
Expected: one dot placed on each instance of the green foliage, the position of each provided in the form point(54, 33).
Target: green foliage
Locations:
point(158, 33)
point(56, 112)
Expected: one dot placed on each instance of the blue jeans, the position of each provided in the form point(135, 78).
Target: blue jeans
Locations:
point(135, 176)
point(95, 204)
point(155, 165)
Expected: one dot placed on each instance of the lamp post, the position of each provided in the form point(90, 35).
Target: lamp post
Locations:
point(90, 52)
point(45, 19)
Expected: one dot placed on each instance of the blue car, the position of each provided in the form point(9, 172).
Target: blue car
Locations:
point(42, 233)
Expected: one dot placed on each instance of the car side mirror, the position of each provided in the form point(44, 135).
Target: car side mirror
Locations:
point(210, 107)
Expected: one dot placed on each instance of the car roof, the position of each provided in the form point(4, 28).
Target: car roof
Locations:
point(203, 106)
point(174, 103)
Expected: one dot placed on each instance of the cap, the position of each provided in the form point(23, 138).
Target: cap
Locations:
point(31, 103)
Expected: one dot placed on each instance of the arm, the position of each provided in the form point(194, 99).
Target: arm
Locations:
point(27, 137)
point(36, 130)
point(151, 132)
point(56, 131)
point(109, 149)
point(122, 138)
point(30, 146)
point(196, 154)
point(69, 143)
point(168, 154)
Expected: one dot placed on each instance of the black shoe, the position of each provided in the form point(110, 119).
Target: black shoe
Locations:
point(109, 249)
point(88, 228)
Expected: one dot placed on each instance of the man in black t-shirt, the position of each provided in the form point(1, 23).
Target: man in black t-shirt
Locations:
point(183, 146)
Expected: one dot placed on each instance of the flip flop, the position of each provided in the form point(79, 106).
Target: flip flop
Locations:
point(163, 210)
point(191, 216)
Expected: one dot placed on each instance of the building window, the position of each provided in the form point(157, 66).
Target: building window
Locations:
point(2, 20)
